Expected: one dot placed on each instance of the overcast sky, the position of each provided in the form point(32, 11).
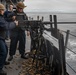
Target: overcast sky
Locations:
point(51, 5)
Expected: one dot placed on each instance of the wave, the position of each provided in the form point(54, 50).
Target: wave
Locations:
point(72, 42)
point(70, 56)
point(72, 46)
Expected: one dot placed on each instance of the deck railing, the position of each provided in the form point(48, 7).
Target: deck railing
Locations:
point(54, 24)
point(70, 51)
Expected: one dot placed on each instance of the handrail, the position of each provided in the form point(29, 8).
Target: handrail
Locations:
point(71, 50)
point(46, 22)
point(70, 67)
point(69, 33)
point(56, 41)
point(55, 26)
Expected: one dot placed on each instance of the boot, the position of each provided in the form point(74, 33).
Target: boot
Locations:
point(25, 56)
point(2, 72)
point(10, 58)
point(7, 63)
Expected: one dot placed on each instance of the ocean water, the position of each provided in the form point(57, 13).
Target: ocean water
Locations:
point(62, 17)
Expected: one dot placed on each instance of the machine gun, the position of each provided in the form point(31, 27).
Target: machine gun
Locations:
point(34, 25)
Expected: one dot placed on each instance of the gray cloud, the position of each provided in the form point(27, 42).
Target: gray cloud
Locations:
point(51, 5)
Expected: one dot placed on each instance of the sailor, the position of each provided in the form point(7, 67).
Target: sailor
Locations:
point(8, 13)
point(3, 47)
point(18, 33)
point(8, 17)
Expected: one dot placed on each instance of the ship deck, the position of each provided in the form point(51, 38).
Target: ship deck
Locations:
point(16, 64)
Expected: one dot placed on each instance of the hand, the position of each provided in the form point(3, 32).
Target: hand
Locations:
point(16, 22)
point(14, 18)
point(28, 33)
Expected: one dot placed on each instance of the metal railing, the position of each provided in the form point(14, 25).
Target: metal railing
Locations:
point(70, 51)
point(66, 47)
point(54, 25)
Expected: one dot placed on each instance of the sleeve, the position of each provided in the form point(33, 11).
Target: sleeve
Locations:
point(4, 25)
point(11, 25)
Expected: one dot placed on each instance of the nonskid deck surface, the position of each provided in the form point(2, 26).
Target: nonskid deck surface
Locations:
point(19, 66)
point(16, 64)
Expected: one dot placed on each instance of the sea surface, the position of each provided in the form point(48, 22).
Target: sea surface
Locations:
point(62, 17)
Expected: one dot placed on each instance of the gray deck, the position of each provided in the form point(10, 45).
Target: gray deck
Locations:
point(15, 65)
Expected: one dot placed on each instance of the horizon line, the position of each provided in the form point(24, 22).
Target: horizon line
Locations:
point(49, 12)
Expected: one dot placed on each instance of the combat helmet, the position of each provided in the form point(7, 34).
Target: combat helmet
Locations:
point(2, 7)
point(20, 5)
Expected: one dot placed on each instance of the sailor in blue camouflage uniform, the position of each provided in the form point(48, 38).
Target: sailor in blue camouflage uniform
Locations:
point(18, 33)
point(8, 17)
point(3, 47)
